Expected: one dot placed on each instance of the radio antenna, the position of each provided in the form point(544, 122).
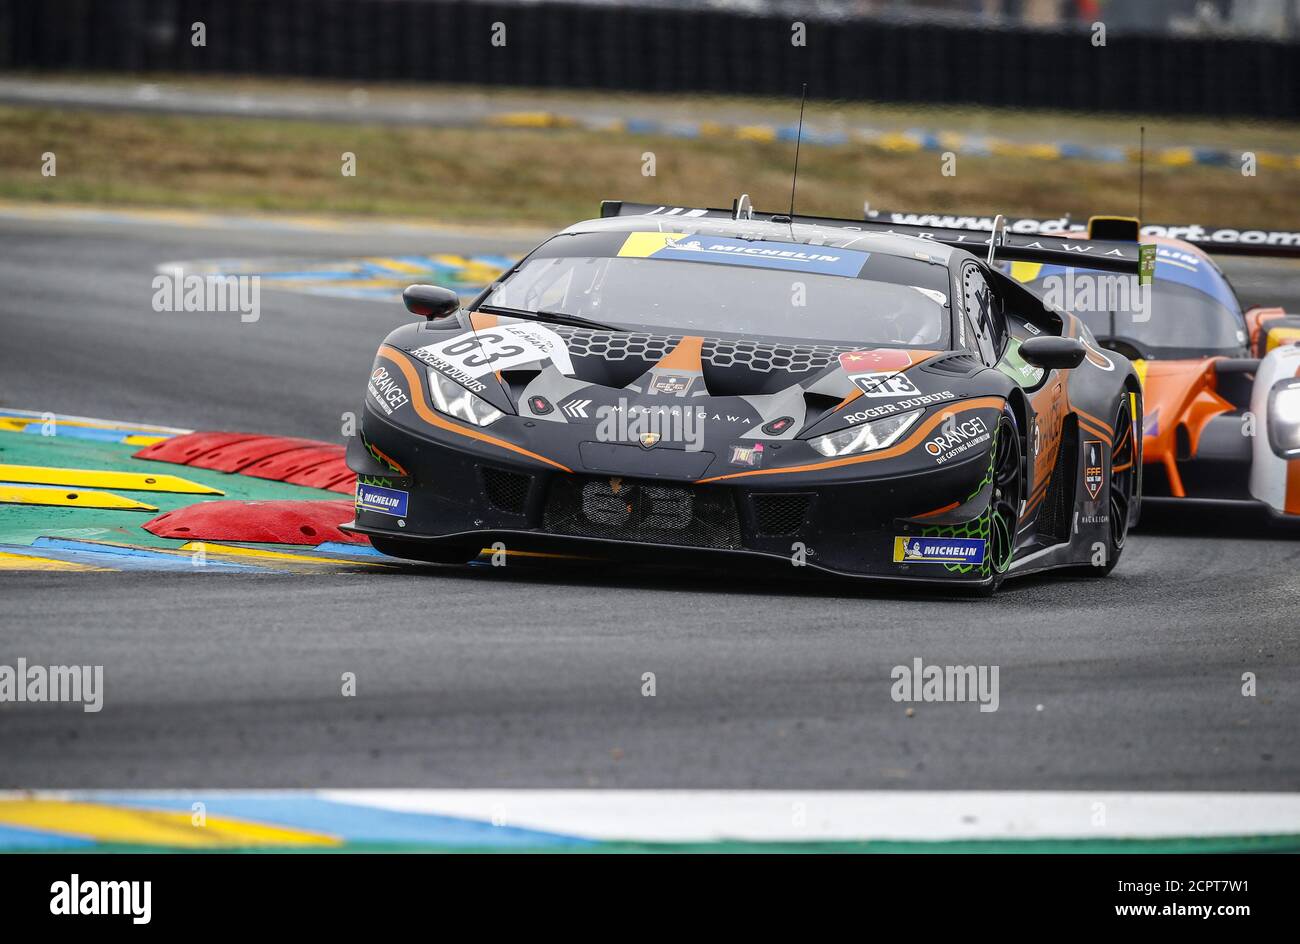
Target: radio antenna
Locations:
point(1142, 166)
point(803, 97)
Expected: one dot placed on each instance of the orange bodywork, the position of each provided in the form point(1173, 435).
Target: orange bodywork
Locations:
point(1178, 396)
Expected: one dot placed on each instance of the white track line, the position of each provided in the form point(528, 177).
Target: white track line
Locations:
point(761, 815)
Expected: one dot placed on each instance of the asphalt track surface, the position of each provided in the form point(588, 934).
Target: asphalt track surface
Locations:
point(524, 677)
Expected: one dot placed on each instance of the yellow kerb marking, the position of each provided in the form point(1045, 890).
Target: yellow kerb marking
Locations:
point(230, 550)
point(144, 440)
point(113, 824)
point(25, 562)
point(68, 497)
point(396, 265)
point(99, 478)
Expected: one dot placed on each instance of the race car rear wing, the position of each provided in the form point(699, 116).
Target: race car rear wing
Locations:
point(1216, 240)
point(1111, 255)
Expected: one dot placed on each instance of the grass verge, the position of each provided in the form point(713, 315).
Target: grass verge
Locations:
point(554, 176)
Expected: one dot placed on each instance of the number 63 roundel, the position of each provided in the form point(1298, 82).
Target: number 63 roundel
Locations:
point(502, 347)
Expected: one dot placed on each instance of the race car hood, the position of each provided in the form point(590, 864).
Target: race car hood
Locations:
point(679, 387)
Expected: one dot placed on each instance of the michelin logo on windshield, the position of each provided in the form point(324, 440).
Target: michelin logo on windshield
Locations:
point(793, 257)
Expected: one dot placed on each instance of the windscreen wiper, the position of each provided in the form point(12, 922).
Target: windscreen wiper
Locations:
point(554, 317)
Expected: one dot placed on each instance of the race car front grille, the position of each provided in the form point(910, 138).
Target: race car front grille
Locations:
point(506, 491)
point(781, 514)
point(639, 510)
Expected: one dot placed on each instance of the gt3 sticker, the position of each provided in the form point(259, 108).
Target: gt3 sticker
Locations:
point(880, 384)
point(939, 550)
point(878, 372)
point(476, 353)
point(386, 501)
point(386, 391)
point(1092, 467)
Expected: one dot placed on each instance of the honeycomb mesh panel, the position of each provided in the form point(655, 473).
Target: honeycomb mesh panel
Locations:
point(757, 356)
point(640, 510)
point(781, 514)
point(616, 345)
point(506, 491)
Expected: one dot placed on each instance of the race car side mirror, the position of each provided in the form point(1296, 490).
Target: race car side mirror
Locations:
point(1052, 353)
point(431, 301)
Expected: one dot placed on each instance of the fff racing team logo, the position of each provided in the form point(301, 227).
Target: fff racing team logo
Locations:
point(1092, 468)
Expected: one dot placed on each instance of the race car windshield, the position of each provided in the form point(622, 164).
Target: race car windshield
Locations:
point(1182, 322)
point(732, 286)
point(1193, 312)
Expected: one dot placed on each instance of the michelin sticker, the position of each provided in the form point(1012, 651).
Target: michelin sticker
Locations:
point(476, 353)
point(386, 501)
point(939, 550)
point(793, 257)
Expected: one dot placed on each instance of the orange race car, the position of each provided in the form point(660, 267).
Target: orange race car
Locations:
point(1221, 386)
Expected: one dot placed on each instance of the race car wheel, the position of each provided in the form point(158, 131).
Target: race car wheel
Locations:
point(1123, 476)
point(430, 553)
point(1123, 483)
point(1008, 473)
point(1008, 485)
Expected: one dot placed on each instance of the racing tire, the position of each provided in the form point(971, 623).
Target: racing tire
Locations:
point(428, 553)
point(1008, 473)
point(1122, 486)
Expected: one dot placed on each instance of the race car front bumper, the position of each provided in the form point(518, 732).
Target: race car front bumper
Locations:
point(461, 497)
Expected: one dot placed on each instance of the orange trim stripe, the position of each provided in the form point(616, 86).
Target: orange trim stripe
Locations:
point(847, 400)
point(938, 511)
point(1095, 432)
point(686, 356)
point(962, 406)
point(435, 419)
point(1085, 416)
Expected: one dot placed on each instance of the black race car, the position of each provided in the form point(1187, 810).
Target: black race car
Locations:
point(867, 400)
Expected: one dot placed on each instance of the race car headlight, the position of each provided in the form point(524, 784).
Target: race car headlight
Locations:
point(451, 398)
point(1284, 418)
point(869, 436)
